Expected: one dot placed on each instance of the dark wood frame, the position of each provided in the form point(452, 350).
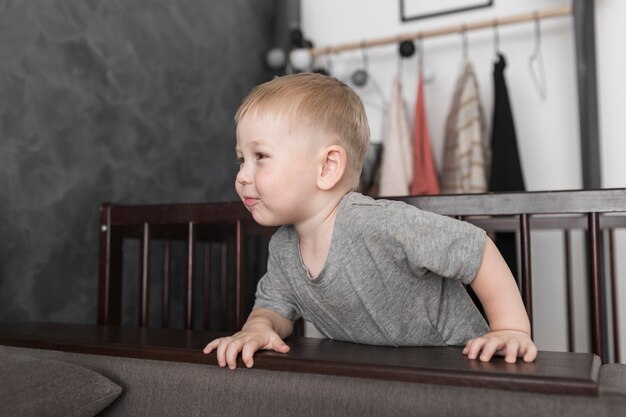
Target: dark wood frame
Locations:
point(592, 210)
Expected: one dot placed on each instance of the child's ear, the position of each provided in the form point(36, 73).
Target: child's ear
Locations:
point(333, 167)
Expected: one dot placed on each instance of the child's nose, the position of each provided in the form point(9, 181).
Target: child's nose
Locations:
point(244, 176)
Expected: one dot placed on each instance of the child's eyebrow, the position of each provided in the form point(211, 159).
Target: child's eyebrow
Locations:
point(256, 142)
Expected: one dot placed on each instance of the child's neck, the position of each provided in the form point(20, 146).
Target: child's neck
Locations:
point(315, 238)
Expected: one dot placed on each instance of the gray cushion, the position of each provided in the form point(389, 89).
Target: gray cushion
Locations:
point(45, 387)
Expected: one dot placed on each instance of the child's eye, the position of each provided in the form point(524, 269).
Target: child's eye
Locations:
point(261, 156)
point(240, 161)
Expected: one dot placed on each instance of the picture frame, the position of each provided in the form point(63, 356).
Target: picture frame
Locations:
point(411, 10)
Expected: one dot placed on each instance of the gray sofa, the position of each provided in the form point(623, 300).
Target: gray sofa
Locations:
point(166, 388)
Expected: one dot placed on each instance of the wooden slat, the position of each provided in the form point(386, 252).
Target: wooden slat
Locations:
point(527, 291)
point(569, 313)
point(105, 292)
point(614, 307)
point(167, 274)
point(223, 286)
point(595, 273)
point(206, 286)
point(191, 248)
point(144, 283)
point(239, 275)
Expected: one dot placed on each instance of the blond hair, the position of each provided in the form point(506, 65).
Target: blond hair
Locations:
point(319, 101)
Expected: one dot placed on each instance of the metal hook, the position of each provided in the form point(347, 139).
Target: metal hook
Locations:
point(420, 51)
point(496, 38)
point(537, 72)
point(364, 53)
point(537, 34)
point(464, 40)
point(360, 76)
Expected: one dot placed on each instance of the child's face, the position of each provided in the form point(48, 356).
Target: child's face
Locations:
point(277, 172)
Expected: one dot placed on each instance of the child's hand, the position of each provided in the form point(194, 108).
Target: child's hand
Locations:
point(247, 342)
point(511, 344)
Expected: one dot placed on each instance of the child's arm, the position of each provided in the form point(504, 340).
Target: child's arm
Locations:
point(510, 328)
point(264, 329)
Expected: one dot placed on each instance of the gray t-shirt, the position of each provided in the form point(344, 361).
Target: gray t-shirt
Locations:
point(394, 276)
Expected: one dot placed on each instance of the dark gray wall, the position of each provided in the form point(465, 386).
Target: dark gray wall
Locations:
point(126, 101)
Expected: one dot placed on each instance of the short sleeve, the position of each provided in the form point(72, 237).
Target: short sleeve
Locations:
point(438, 244)
point(274, 291)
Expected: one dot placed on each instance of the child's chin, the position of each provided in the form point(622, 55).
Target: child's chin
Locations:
point(263, 221)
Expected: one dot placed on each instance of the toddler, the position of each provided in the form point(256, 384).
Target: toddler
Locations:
point(361, 270)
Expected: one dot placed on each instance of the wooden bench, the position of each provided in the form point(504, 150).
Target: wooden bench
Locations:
point(225, 233)
point(223, 254)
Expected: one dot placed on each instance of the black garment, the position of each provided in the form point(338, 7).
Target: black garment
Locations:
point(506, 169)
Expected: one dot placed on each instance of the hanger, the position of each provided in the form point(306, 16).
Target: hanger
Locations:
point(465, 50)
point(465, 43)
point(420, 56)
point(360, 77)
point(496, 39)
point(535, 63)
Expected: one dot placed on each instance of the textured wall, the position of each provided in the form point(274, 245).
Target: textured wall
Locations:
point(127, 101)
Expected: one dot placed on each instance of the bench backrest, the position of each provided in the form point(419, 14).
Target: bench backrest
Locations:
point(225, 251)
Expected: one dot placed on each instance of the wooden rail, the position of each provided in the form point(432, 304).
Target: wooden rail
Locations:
point(551, 373)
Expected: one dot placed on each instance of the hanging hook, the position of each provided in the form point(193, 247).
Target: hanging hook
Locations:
point(535, 62)
point(465, 44)
point(360, 76)
point(365, 58)
point(420, 52)
point(465, 54)
point(496, 38)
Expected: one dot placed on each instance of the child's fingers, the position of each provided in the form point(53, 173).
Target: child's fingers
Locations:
point(495, 344)
point(212, 345)
point(531, 352)
point(490, 348)
point(511, 351)
point(232, 351)
point(221, 351)
point(474, 347)
point(247, 353)
point(282, 347)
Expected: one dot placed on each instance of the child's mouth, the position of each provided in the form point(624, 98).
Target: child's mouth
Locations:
point(249, 201)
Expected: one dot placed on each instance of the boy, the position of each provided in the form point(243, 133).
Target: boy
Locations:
point(361, 270)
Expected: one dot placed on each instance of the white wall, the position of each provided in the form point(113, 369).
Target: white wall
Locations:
point(548, 131)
